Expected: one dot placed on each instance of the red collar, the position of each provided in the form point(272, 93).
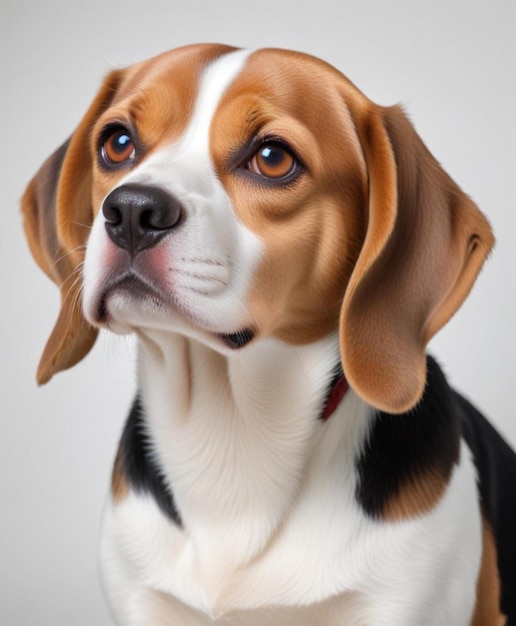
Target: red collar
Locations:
point(338, 391)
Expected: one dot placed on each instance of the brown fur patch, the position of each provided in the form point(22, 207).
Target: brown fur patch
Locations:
point(119, 486)
point(487, 610)
point(416, 497)
point(416, 266)
point(312, 229)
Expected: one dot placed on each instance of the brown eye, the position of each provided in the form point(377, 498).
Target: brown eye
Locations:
point(118, 148)
point(272, 161)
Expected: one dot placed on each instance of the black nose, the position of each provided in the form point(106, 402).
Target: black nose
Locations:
point(137, 216)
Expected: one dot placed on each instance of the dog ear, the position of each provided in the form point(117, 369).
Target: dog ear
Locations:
point(57, 216)
point(424, 246)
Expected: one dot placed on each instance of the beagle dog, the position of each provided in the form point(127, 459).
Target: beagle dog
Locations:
point(283, 249)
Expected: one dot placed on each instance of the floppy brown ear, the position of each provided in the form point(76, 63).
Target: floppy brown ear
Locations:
point(57, 216)
point(425, 244)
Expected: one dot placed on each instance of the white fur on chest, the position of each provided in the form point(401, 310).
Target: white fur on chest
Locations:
point(267, 496)
point(235, 438)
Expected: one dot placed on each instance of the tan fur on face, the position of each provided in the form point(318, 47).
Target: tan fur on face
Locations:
point(313, 229)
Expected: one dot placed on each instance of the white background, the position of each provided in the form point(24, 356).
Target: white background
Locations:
point(452, 64)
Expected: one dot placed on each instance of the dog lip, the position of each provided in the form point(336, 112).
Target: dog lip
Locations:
point(237, 340)
point(137, 287)
point(130, 283)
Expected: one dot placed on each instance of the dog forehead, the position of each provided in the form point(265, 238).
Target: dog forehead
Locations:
point(162, 95)
point(179, 69)
point(158, 96)
point(279, 72)
point(195, 107)
point(291, 95)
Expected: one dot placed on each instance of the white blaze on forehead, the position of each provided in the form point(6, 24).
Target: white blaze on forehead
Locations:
point(216, 78)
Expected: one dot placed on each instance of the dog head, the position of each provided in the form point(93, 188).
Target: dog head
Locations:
point(232, 196)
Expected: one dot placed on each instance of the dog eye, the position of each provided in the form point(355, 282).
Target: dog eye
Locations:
point(273, 161)
point(118, 147)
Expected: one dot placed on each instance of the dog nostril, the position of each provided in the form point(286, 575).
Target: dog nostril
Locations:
point(159, 218)
point(148, 220)
point(112, 214)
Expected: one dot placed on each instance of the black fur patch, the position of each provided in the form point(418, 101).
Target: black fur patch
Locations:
point(496, 466)
point(140, 468)
point(402, 448)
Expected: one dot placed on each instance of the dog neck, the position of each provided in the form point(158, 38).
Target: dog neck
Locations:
point(234, 435)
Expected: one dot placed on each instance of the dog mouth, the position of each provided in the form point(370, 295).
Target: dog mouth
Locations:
point(132, 285)
point(139, 290)
point(237, 340)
